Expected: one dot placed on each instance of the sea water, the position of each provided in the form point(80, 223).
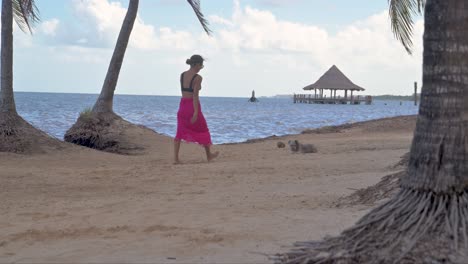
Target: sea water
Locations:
point(229, 119)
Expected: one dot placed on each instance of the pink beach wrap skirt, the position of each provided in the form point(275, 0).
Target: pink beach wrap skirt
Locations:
point(197, 132)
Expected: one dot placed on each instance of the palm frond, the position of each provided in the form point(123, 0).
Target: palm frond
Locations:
point(25, 13)
point(401, 18)
point(196, 8)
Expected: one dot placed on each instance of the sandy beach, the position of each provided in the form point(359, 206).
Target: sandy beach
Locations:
point(79, 205)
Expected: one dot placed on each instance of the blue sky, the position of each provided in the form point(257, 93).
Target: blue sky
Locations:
point(272, 46)
point(176, 13)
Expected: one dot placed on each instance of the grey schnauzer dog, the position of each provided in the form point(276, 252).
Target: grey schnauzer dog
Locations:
point(303, 148)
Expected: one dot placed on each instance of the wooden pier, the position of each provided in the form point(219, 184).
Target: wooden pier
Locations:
point(314, 99)
point(335, 81)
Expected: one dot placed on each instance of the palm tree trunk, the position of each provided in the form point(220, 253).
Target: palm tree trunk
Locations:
point(439, 152)
point(7, 102)
point(105, 100)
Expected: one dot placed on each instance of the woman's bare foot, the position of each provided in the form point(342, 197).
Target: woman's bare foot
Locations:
point(213, 156)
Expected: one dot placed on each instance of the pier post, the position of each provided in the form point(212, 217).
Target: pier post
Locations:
point(415, 93)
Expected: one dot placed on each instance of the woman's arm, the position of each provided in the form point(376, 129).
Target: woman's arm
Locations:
point(196, 91)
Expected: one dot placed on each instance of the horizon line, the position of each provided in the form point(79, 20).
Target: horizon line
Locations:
point(218, 96)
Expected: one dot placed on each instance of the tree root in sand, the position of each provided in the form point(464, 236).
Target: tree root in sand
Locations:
point(403, 163)
point(413, 227)
point(386, 188)
point(106, 132)
point(18, 136)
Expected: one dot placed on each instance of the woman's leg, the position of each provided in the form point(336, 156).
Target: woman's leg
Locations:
point(176, 151)
point(210, 156)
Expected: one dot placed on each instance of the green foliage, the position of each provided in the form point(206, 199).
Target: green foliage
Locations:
point(25, 13)
point(401, 17)
point(195, 4)
point(86, 113)
point(395, 97)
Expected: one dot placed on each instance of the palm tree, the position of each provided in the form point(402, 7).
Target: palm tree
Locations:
point(98, 128)
point(16, 135)
point(25, 14)
point(426, 222)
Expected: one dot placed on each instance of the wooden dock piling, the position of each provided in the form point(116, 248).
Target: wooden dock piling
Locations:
point(308, 99)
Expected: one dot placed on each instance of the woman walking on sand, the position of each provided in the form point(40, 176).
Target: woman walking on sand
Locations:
point(191, 124)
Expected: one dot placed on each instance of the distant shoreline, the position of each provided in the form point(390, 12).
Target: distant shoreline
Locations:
point(396, 97)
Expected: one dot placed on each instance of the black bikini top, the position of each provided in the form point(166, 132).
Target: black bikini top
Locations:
point(190, 89)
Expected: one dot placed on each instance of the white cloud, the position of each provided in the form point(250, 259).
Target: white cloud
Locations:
point(279, 2)
point(49, 27)
point(369, 40)
point(22, 39)
point(215, 19)
point(71, 54)
point(105, 18)
point(250, 49)
point(365, 50)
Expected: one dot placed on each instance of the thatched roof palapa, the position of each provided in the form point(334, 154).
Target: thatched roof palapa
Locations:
point(334, 79)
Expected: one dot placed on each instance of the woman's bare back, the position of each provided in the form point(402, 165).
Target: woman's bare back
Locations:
point(189, 81)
